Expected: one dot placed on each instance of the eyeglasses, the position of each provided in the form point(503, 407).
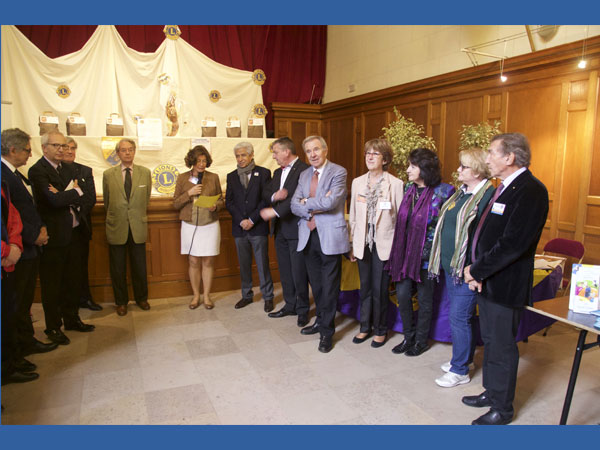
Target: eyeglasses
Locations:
point(463, 167)
point(373, 154)
point(57, 146)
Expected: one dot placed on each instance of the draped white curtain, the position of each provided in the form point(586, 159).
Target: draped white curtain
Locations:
point(106, 76)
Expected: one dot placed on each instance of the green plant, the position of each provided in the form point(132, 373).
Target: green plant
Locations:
point(475, 136)
point(478, 135)
point(404, 135)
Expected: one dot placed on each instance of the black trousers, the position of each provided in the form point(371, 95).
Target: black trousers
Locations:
point(118, 270)
point(26, 272)
point(499, 324)
point(60, 280)
point(374, 292)
point(292, 270)
point(324, 275)
point(8, 323)
point(404, 292)
point(85, 293)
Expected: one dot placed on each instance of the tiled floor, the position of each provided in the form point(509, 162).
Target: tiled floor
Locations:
point(172, 365)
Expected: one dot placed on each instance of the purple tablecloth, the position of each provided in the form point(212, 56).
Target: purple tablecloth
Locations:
point(348, 304)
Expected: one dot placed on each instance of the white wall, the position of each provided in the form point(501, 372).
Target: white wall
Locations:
point(380, 56)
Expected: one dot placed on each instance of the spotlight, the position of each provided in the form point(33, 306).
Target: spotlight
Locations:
point(582, 64)
point(503, 78)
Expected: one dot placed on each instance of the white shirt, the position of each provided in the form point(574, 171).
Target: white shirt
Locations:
point(509, 179)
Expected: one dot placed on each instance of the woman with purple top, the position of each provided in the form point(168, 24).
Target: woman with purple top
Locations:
point(413, 236)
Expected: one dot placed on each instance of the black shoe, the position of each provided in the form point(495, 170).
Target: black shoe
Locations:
point(243, 302)
point(417, 349)
point(477, 401)
point(376, 344)
point(357, 340)
point(402, 347)
point(90, 304)
point(39, 347)
point(19, 377)
point(268, 306)
point(58, 337)
point(282, 313)
point(24, 366)
point(302, 320)
point(312, 329)
point(78, 325)
point(325, 344)
point(492, 418)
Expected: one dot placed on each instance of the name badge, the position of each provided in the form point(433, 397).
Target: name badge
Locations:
point(255, 174)
point(498, 208)
point(385, 205)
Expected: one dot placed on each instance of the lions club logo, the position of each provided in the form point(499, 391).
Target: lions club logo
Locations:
point(259, 110)
point(63, 91)
point(214, 96)
point(172, 32)
point(164, 178)
point(259, 77)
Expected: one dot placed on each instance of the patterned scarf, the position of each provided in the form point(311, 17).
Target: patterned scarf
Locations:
point(372, 197)
point(409, 236)
point(464, 218)
point(243, 173)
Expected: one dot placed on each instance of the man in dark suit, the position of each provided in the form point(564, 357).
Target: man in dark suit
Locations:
point(85, 179)
point(503, 248)
point(322, 233)
point(244, 200)
point(58, 197)
point(16, 150)
point(278, 194)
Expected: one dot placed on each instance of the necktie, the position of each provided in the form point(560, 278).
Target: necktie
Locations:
point(487, 210)
point(314, 182)
point(127, 182)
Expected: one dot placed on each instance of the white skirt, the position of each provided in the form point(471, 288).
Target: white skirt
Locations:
point(204, 240)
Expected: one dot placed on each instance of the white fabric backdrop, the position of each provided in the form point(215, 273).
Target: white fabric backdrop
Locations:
point(106, 76)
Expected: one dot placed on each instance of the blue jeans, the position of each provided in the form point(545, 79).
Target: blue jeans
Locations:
point(462, 309)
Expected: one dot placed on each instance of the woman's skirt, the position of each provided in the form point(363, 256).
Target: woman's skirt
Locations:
point(203, 240)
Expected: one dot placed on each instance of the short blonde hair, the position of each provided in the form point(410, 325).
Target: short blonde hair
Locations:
point(475, 159)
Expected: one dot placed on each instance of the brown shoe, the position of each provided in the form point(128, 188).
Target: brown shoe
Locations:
point(144, 305)
point(121, 310)
point(208, 304)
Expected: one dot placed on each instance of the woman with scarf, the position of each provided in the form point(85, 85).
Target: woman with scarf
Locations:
point(450, 252)
point(374, 204)
point(200, 229)
point(413, 236)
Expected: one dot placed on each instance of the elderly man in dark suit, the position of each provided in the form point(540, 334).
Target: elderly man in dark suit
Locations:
point(58, 197)
point(16, 150)
point(322, 233)
point(278, 194)
point(85, 178)
point(503, 248)
point(244, 200)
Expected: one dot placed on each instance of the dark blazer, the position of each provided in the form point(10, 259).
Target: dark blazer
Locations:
point(506, 246)
point(54, 208)
point(23, 201)
point(287, 222)
point(85, 179)
point(247, 203)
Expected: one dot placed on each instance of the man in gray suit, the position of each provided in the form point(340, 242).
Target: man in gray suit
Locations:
point(322, 233)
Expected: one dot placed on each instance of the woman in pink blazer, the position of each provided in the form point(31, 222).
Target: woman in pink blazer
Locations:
point(375, 199)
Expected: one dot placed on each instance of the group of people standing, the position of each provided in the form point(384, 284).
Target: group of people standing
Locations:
point(478, 240)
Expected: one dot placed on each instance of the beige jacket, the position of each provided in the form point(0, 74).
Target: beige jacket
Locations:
point(183, 202)
point(392, 191)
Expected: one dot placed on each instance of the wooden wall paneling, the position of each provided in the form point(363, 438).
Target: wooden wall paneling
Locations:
point(464, 111)
point(435, 124)
point(535, 111)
